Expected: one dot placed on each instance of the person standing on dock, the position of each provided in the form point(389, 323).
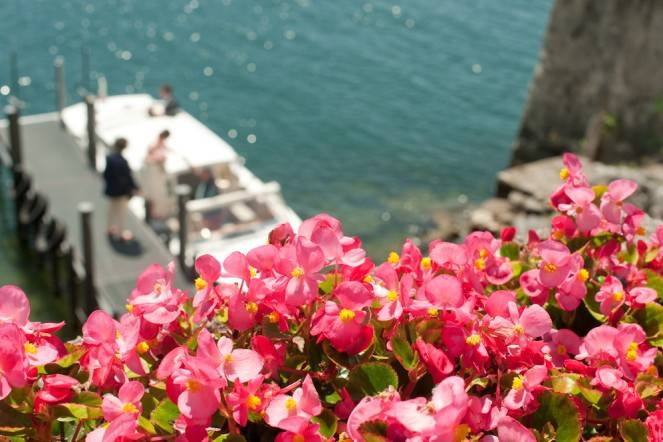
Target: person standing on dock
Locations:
point(120, 186)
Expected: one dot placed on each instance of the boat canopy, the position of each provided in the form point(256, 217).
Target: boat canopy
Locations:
point(191, 143)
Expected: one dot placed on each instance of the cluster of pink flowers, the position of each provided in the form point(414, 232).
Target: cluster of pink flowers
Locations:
point(307, 339)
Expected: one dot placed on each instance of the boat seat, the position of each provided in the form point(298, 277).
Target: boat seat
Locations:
point(242, 212)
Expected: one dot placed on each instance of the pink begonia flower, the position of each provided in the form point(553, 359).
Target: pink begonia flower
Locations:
point(171, 362)
point(654, 424)
point(154, 298)
point(368, 409)
point(195, 388)
point(573, 290)
point(126, 401)
point(586, 214)
point(435, 360)
point(572, 171)
point(12, 359)
point(564, 344)
point(240, 364)
point(448, 255)
point(631, 226)
point(244, 306)
point(99, 340)
point(441, 416)
point(14, 305)
point(531, 285)
point(627, 404)
point(331, 244)
point(41, 350)
point(635, 355)
point(345, 325)
point(468, 344)
point(510, 430)
point(613, 199)
point(482, 414)
point(611, 295)
point(273, 354)
point(608, 377)
point(299, 429)
point(57, 388)
point(130, 344)
point(522, 386)
point(281, 235)
point(246, 399)
point(304, 402)
point(534, 321)
point(121, 429)
point(205, 300)
point(262, 259)
point(445, 291)
point(555, 263)
point(344, 407)
point(640, 296)
point(300, 265)
point(393, 294)
point(599, 344)
point(498, 301)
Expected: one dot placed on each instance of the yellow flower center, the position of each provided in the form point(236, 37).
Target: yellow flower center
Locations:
point(583, 275)
point(253, 272)
point(253, 402)
point(290, 404)
point(473, 340)
point(157, 288)
point(641, 231)
point(251, 307)
point(549, 267)
point(200, 283)
point(129, 408)
point(297, 272)
point(483, 253)
point(517, 382)
point(273, 317)
point(298, 438)
point(129, 307)
point(343, 437)
point(368, 279)
point(392, 296)
point(393, 258)
point(563, 173)
point(433, 312)
point(518, 329)
point(30, 348)
point(558, 234)
point(461, 432)
point(142, 347)
point(480, 264)
point(632, 353)
point(193, 385)
point(425, 263)
point(618, 296)
point(346, 315)
point(229, 358)
point(561, 350)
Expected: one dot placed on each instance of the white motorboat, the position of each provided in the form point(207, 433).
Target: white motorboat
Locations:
point(239, 217)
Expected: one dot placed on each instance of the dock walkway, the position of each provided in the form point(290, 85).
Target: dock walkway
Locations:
point(60, 173)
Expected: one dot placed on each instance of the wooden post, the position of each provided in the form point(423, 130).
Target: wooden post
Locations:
point(60, 90)
point(148, 211)
point(90, 299)
point(91, 133)
point(183, 192)
point(15, 146)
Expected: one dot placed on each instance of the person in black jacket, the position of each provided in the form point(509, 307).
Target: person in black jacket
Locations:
point(120, 186)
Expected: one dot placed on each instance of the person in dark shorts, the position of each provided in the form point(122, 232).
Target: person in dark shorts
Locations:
point(119, 187)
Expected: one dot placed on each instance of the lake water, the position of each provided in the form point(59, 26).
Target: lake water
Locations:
point(377, 112)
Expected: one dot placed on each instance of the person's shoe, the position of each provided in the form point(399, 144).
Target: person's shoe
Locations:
point(127, 236)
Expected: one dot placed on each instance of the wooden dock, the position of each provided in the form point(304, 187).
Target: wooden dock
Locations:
point(60, 172)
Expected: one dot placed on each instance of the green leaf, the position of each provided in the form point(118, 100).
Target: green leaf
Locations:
point(146, 425)
point(565, 383)
point(65, 361)
point(87, 398)
point(510, 250)
point(559, 410)
point(593, 307)
point(327, 421)
point(655, 281)
point(633, 430)
point(648, 386)
point(651, 320)
point(404, 352)
point(478, 382)
point(374, 431)
point(370, 379)
point(230, 438)
point(327, 285)
point(164, 415)
point(77, 411)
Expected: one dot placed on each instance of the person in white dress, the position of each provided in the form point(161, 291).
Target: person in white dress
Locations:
point(155, 180)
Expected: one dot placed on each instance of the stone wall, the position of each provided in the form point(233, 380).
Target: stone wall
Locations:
point(598, 88)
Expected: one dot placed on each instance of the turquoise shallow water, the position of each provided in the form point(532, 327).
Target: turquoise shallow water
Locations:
point(377, 112)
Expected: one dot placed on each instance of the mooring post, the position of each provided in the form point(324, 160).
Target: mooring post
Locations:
point(90, 300)
point(183, 191)
point(16, 149)
point(91, 132)
point(148, 211)
point(60, 91)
